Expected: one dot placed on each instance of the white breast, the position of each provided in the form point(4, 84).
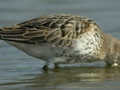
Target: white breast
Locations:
point(87, 45)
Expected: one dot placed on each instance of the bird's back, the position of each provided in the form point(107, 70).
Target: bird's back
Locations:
point(78, 36)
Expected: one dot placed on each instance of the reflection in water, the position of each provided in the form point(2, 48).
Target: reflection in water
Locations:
point(82, 76)
point(67, 75)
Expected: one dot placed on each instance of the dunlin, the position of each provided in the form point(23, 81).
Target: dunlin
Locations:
point(63, 39)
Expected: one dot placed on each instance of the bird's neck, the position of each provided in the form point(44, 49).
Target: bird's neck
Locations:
point(110, 48)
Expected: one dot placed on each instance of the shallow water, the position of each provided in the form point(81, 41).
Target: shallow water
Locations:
point(20, 71)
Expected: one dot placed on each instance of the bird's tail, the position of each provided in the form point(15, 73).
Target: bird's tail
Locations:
point(8, 33)
point(0, 31)
point(12, 34)
point(3, 32)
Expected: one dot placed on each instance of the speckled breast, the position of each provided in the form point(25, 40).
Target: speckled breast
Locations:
point(88, 46)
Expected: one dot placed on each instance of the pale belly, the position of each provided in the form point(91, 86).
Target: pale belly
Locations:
point(52, 54)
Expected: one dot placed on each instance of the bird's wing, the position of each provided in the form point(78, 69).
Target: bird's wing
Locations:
point(58, 30)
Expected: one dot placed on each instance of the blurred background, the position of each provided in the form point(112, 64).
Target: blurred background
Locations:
point(18, 70)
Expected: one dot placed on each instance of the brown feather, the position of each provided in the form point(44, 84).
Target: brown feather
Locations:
point(59, 30)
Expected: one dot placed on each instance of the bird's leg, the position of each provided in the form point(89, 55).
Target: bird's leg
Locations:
point(56, 65)
point(45, 67)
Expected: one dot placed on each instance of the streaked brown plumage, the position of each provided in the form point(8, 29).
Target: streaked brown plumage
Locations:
point(79, 38)
point(55, 29)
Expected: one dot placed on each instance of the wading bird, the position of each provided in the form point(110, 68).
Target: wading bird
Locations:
point(63, 39)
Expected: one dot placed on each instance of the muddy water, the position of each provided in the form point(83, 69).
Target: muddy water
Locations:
point(22, 72)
